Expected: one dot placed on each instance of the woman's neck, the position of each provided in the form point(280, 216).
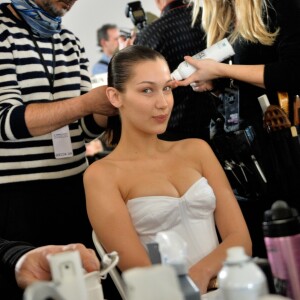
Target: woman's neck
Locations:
point(138, 147)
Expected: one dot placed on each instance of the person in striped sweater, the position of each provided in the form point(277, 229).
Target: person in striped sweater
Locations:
point(47, 112)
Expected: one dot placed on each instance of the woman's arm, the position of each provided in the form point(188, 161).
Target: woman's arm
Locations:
point(109, 216)
point(42, 118)
point(280, 73)
point(228, 217)
point(208, 69)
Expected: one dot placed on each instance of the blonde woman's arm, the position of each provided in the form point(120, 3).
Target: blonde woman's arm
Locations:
point(208, 69)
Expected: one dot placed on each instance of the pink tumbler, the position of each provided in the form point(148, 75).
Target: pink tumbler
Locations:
point(281, 228)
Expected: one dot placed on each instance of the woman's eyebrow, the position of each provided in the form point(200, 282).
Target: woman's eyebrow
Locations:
point(152, 82)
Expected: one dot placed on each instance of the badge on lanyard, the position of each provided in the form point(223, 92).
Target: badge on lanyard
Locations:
point(231, 108)
point(231, 103)
point(62, 142)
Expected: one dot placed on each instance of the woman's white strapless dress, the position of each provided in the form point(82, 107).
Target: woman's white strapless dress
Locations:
point(191, 216)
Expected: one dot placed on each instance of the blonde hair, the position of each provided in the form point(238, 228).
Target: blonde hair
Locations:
point(234, 19)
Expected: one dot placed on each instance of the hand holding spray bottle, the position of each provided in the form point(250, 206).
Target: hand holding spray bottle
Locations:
point(218, 51)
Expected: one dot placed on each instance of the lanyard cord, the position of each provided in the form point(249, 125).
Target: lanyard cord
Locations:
point(50, 77)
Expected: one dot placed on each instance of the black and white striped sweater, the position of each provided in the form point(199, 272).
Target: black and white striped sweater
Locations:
point(23, 81)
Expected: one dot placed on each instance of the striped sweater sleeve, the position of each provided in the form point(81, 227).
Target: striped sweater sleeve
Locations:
point(23, 81)
point(10, 252)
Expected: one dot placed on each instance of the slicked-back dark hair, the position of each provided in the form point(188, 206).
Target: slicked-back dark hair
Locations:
point(121, 65)
point(120, 70)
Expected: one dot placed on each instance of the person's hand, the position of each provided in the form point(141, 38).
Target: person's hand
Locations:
point(200, 278)
point(124, 42)
point(173, 84)
point(98, 102)
point(201, 79)
point(93, 147)
point(34, 265)
point(202, 86)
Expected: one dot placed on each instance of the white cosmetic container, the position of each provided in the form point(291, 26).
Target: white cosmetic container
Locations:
point(218, 51)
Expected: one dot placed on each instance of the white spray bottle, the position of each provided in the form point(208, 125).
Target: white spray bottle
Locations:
point(240, 278)
point(218, 51)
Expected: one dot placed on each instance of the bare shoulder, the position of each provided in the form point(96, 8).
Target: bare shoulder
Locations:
point(195, 151)
point(192, 145)
point(100, 170)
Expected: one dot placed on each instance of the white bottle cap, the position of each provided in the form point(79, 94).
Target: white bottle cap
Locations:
point(236, 254)
point(176, 75)
point(264, 102)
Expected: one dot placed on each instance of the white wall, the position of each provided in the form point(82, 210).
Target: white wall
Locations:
point(87, 16)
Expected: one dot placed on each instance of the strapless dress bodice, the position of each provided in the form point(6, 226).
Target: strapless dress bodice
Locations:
point(191, 216)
